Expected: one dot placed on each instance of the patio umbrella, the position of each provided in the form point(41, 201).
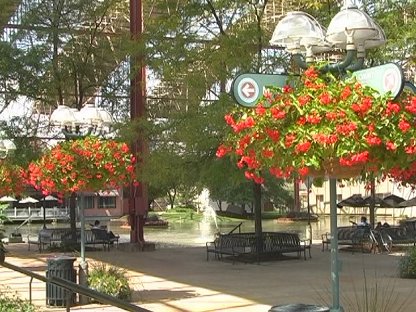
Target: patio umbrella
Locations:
point(49, 198)
point(7, 199)
point(408, 203)
point(378, 202)
point(355, 200)
point(28, 200)
point(393, 200)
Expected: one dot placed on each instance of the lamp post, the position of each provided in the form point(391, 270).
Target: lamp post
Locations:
point(351, 31)
point(6, 148)
point(75, 124)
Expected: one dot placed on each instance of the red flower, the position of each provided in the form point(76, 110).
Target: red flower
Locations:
point(273, 134)
point(277, 113)
point(311, 72)
point(404, 125)
point(304, 99)
point(346, 92)
point(289, 139)
point(260, 110)
point(325, 98)
point(303, 147)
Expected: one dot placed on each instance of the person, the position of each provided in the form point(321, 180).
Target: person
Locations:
point(111, 235)
point(97, 225)
point(378, 226)
point(363, 222)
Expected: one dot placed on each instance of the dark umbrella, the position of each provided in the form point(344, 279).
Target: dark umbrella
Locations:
point(408, 203)
point(355, 200)
point(378, 202)
point(393, 200)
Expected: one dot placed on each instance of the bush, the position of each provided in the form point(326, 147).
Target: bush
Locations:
point(12, 303)
point(109, 280)
point(407, 264)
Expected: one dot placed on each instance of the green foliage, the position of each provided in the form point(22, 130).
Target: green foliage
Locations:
point(10, 302)
point(407, 264)
point(109, 280)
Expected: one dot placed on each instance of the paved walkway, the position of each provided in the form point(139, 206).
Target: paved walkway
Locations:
point(180, 279)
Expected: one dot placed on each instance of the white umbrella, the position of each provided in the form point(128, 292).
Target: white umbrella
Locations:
point(29, 200)
point(50, 198)
point(7, 199)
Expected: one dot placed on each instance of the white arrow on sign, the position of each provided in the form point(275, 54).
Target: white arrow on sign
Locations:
point(248, 90)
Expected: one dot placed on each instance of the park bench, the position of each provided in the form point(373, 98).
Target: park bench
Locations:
point(355, 236)
point(47, 238)
point(56, 237)
point(244, 244)
point(102, 237)
point(396, 236)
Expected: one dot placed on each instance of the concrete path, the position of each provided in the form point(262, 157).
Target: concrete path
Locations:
point(180, 279)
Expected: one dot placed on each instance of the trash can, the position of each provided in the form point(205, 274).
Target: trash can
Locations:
point(62, 267)
point(299, 307)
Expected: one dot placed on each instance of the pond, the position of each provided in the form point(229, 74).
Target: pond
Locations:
point(188, 233)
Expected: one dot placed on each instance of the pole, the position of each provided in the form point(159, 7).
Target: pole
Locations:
point(373, 202)
point(83, 265)
point(334, 246)
point(308, 188)
point(44, 214)
point(257, 219)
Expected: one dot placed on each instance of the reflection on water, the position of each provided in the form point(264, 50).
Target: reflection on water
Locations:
point(197, 233)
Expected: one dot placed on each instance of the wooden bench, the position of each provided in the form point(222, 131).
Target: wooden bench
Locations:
point(273, 244)
point(354, 236)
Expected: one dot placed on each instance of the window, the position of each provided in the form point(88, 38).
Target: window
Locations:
point(89, 202)
point(107, 202)
point(320, 201)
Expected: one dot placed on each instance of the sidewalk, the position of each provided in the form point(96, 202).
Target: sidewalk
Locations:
point(180, 279)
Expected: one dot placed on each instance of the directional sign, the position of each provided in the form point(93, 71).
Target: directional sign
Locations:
point(248, 88)
point(383, 78)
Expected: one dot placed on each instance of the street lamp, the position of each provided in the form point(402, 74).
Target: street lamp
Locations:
point(6, 148)
point(75, 124)
point(350, 30)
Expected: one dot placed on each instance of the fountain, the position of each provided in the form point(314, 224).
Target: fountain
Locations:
point(207, 207)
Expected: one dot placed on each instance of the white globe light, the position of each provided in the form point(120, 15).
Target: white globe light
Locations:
point(63, 116)
point(352, 21)
point(298, 28)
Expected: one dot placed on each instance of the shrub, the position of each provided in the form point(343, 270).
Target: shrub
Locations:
point(407, 264)
point(10, 302)
point(109, 280)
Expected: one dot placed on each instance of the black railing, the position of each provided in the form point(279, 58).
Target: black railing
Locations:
point(75, 288)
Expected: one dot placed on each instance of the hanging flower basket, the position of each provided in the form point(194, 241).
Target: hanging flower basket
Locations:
point(11, 179)
point(321, 125)
point(87, 164)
